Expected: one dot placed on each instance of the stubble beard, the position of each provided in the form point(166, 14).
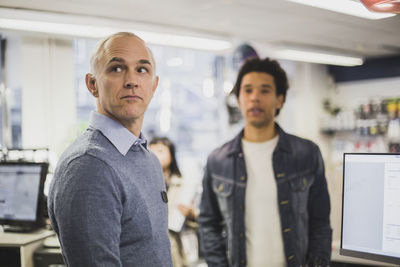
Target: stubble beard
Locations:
point(260, 124)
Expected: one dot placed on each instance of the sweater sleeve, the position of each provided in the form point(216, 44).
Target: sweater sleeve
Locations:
point(87, 210)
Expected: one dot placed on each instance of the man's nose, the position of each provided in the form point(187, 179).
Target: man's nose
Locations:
point(130, 85)
point(254, 96)
point(131, 80)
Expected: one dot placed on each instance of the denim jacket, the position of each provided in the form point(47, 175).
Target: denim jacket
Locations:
point(303, 200)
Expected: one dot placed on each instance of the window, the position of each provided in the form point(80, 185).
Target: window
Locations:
point(10, 104)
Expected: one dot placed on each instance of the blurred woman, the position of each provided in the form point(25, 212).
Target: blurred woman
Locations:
point(164, 149)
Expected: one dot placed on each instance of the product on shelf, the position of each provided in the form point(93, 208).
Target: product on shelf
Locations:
point(372, 118)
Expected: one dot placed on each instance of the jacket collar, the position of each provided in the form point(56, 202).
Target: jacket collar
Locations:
point(235, 146)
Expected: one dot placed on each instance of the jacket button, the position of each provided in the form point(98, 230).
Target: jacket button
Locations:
point(284, 202)
point(240, 155)
point(242, 178)
point(287, 230)
point(242, 262)
point(220, 187)
point(280, 175)
point(241, 235)
point(291, 257)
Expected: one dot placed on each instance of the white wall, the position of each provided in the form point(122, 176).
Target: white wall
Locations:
point(303, 107)
point(13, 61)
point(48, 93)
point(350, 94)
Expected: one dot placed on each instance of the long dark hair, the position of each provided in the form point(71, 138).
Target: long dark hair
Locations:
point(166, 142)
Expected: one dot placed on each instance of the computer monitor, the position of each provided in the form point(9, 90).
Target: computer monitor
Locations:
point(371, 206)
point(21, 195)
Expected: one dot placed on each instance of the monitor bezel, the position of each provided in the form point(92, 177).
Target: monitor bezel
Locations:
point(24, 225)
point(355, 253)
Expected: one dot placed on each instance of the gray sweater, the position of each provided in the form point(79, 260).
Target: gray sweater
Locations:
point(106, 207)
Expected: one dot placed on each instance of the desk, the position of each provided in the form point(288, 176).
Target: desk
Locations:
point(336, 257)
point(19, 247)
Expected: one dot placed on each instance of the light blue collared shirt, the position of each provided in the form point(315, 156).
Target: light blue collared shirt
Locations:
point(118, 135)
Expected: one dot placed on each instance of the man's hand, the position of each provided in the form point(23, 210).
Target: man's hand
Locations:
point(188, 211)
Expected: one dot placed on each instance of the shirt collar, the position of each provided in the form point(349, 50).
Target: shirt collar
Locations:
point(116, 133)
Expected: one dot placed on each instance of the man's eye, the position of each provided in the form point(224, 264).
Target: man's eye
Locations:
point(142, 70)
point(117, 69)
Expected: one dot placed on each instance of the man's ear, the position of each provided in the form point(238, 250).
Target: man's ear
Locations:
point(91, 84)
point(155, 84)
point(237, 101)
point(280, 100)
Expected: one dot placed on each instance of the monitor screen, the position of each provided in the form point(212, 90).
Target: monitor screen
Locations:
point(21, 194)
point(371, 207)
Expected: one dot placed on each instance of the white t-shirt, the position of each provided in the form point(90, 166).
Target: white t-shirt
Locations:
point(264, 244)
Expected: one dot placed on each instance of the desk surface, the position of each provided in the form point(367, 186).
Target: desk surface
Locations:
point(19, 239)
point(336, 257)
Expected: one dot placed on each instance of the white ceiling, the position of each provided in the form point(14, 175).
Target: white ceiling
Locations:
point(267, 22)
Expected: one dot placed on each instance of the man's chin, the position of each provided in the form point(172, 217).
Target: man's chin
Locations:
point(259, 124)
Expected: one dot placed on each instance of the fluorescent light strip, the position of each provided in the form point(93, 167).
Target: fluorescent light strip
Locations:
point(348, 7)
point(101, 32)
point(56, 28)
point(320, 58)
point(183, 41)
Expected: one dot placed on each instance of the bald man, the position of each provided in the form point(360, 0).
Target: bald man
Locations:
point(107, 200)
